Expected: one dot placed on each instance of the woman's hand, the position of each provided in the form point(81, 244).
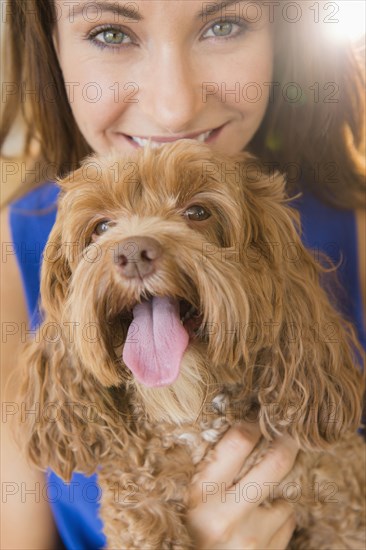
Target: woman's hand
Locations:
point(220, 517)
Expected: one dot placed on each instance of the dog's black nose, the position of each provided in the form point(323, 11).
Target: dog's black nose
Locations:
point(136, 256)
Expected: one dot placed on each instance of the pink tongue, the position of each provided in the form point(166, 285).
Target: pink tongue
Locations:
point(156, 342)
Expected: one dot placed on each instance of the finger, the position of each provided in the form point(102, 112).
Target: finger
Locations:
point(258, 484)
point(266, 527)
point(226, 459)
point(276, 464)
point(284, 534)
point(276, 516)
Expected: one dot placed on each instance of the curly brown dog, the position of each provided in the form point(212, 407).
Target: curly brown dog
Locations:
point(174, 263)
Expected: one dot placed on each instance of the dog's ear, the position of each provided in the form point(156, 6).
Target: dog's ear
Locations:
point(306, 368)
point(313, 376)
point(68, 420)
point(60, 252)
point(55, 272)
point(71, 419)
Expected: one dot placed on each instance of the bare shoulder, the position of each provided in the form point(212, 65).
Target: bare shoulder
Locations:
point(361, 232)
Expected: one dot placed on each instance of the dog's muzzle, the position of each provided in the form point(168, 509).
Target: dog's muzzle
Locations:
point(137, 257)
point(162, 325)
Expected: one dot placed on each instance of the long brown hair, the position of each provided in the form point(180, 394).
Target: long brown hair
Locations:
point(305, 133)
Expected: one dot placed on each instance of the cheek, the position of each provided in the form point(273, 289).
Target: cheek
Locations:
point(98, 93)
point(244, 81)
point(93, 96)
point(93, 106)
point(98, 101)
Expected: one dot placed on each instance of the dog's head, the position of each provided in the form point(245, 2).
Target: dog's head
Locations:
point(140, 259)
point(169, 274)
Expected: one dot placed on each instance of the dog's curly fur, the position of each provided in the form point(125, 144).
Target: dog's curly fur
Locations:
point(245, 361)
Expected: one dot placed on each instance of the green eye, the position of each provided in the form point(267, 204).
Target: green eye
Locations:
point(197, 213)
point(227, 29)
point(222, 28)
point(109, 36)
point(113, 36)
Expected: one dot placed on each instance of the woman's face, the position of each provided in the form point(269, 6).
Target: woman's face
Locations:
point(165, 69)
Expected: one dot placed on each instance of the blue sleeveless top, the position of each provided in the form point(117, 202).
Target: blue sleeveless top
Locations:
point(75, 506)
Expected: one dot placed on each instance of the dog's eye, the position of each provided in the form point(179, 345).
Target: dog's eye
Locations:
point(197, 213)
point(102, 227)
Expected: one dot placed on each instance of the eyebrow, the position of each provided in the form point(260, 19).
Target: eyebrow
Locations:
point(212, 8)
point(129, 10)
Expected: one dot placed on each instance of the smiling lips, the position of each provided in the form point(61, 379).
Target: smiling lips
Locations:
point(156, 141)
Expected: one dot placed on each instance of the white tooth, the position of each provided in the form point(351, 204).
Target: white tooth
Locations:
point(203, 137)
point(154, 144)
point(140, 141)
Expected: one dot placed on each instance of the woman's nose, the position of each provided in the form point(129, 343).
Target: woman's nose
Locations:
point(171, 94)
